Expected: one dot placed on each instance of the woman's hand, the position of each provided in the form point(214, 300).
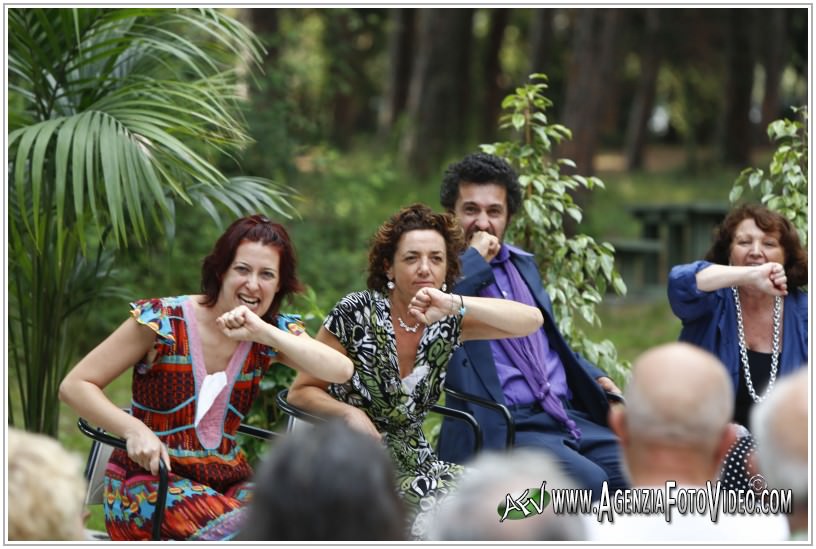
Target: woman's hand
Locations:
point(145, 448)
point(242, 324)
point(430, 305)
point(772, 279)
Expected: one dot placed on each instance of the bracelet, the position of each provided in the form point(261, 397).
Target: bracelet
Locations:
point(462, 308)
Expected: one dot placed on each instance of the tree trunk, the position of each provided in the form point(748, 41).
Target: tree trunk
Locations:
point(492, 74)
point(400, 66)
point(541, 40)
point(643, 102)
point(438, 94)
point(775, 48)
point(266, 24)
point(590, 75)
point(736, 138)
point(342, 62)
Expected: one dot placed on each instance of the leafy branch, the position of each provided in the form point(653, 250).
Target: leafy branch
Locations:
point(784, 187)
point(576, 270)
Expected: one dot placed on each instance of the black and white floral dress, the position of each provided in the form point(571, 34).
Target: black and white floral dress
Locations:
point(396, 406)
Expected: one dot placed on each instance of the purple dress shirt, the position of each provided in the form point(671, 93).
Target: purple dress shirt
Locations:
point(528, 369)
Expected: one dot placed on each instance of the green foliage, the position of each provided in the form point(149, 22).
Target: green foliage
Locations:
point(118, 114)
point(784, 187)
point(576, 270)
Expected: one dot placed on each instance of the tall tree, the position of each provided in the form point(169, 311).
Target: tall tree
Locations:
point(114, 115)
point(438, 96)
point(649, 54)
point(775, 49)
point(591, 75)
point(541, 41)
point(400, 66)
point(265, 23)
point(350, 38)
point(736, 136)
point(493, 73)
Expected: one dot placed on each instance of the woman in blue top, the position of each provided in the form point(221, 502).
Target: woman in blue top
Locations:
point(745, 303)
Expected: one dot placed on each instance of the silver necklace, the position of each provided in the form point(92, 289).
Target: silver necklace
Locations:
point(407, 328)
point(777, 313)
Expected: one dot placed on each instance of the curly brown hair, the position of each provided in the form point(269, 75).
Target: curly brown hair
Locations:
point(411, 218)
point(796, 261)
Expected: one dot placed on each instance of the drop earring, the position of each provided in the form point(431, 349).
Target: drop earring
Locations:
point(390, 284)
point(444, 286)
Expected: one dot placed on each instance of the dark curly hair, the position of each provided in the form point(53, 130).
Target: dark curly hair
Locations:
point(253, 228)
point(480, 168)
point(412, 218)
point(770, 222)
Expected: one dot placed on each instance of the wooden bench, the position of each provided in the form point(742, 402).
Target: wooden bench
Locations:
point(684, 231)
point(637, 261)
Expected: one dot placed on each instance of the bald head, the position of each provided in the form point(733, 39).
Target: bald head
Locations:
point(679, 394)
point(780, 426)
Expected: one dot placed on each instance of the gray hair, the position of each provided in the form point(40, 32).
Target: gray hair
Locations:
point(46, 485)
point(471, 513)
point(780, 427)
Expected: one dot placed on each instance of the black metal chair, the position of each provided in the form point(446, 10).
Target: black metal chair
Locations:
point(504, 411)
point(103, 444)
point(499, 408)
point(295, 413)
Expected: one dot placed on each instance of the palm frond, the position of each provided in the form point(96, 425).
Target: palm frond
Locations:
point(244, 195)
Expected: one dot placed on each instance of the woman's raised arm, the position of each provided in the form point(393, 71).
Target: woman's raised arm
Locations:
point(484, 317)
point(300, 351)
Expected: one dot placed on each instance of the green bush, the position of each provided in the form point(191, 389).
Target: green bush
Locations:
point(784, 187)
point(576, 270)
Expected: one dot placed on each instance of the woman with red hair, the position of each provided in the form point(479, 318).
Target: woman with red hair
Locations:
point(197, 365)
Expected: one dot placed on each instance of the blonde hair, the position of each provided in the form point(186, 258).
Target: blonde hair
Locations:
point(46, 489)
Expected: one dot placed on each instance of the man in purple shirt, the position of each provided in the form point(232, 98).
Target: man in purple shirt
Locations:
point(557, 399)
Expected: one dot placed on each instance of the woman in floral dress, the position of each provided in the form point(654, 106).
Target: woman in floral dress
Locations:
point(197, 364)
point(400, 333)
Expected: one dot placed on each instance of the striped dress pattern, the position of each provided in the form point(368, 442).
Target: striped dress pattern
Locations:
point(209, 480)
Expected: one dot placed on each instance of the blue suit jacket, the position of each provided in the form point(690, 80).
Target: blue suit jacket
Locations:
point(472, 370)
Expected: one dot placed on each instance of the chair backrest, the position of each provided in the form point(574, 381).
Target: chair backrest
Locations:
point(101, 449)
point(298, 419)
point(294, 424)
point(95, 472)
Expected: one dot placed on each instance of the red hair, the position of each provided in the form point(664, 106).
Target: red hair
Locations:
point(253, 228)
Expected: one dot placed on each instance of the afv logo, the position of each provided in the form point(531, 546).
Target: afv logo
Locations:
point(530, 501)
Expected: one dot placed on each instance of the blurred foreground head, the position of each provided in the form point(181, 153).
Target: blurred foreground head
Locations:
point(471, 513)
point(780, 426)
point(675, 425)
point(325, 483)
point(46, 489)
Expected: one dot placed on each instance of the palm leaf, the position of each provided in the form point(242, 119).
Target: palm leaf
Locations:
point(245, 195)
point(115, 114)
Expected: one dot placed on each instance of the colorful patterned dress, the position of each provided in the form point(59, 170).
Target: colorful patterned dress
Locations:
point(397, 407)
point(209, 478)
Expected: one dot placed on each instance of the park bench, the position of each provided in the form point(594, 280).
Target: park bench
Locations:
point(670, 234)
